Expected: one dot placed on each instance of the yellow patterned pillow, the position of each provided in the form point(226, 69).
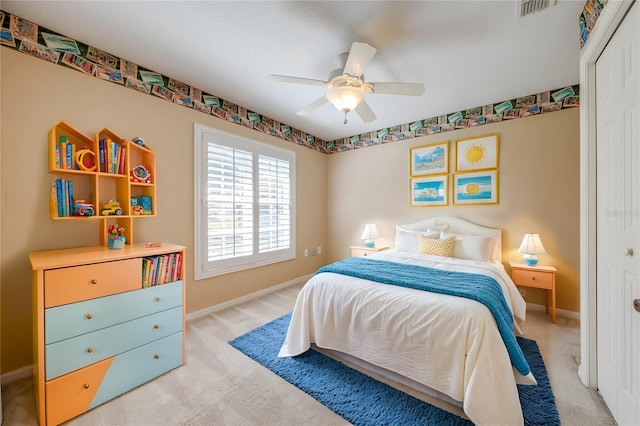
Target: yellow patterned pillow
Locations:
point(437, 247)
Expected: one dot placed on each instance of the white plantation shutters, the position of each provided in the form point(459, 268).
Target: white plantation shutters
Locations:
point(274, 198)
point(229, 202)
point(244, 203)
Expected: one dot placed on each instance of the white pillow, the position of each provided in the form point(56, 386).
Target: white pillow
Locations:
point(472, 247)
point(409, 240)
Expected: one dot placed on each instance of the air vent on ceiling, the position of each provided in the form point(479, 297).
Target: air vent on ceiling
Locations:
point(528, 7)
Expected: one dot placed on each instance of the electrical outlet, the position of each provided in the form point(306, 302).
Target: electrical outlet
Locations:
point(319, 249)
point(306, 252)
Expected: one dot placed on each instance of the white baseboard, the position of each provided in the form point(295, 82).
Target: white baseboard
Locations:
point(12, 376)
point(559, 312)
point(230, 303)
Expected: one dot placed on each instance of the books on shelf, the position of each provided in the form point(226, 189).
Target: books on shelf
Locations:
point(157, 270)
point(62, 197)
point(111, 156)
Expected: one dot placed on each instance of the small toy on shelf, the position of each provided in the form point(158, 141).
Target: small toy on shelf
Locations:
point(116, 238)
point(111, 208)
point(140, 142)
point(82, 208)
point(140, 174)
point(85, 159)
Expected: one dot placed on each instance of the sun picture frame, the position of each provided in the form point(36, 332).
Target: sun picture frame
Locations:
point(477, 153)
point(431, 159)
point(429, 191)
point(476, 187)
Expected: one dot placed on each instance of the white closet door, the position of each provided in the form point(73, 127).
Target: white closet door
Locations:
point(618, 220)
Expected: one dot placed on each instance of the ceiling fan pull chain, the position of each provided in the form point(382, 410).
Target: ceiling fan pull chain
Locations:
point(345, 116)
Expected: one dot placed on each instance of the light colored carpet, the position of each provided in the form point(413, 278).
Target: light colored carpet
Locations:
point(221, 386)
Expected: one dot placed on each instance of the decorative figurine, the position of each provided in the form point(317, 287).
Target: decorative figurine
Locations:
point(115, 237)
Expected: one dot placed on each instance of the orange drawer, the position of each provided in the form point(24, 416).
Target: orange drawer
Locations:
point(71, 395)
point(68, 285)
point(533, 278)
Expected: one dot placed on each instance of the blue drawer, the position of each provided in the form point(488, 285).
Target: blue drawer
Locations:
point(66, 321)
point(71, 354)
point(138, 366)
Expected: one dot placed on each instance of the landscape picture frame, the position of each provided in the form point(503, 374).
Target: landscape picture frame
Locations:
point(431, 159)
point(429, 191)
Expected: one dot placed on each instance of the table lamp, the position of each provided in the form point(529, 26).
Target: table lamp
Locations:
point(369, 234)
point(531, 247)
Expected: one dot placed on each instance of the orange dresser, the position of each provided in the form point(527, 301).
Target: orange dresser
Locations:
point(97, 332)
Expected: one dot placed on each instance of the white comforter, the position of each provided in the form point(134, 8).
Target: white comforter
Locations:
point(447, 343)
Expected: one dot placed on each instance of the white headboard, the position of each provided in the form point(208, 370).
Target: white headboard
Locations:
point(457, 225)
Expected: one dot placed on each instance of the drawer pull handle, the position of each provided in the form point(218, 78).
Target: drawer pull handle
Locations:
point(94, 281)
point(89, 349)
point(533, 278)
point(156, 326)
point(86, 386)
point(89, 316)
point(156, 356)
point(157, 299)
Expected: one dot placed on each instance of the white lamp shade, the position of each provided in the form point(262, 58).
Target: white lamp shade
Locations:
point(345, 98)
point(370, 232)
point(531, 244)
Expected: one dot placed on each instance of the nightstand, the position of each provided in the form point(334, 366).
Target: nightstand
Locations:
point(537, 277)
point(364, 251)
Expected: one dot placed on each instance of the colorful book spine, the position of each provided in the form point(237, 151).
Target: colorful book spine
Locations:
point(101, 155)
point(73, 156)
point(59, 196)
point(145, 264)
point(63, 153)
point(68, 155)
point(63, 188)
point(70, 195)
point(53, 200)
point(58, 164)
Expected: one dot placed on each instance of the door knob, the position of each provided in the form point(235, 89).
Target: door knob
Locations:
point(629, 252)
point(636, 305)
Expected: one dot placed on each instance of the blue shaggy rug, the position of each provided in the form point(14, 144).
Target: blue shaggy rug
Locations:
point(363, 400)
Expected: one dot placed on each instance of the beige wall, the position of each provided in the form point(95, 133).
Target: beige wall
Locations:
point(539, 193)
point(35, 96)
point(538, 189)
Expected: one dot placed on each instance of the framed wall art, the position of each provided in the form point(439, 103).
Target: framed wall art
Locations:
point(432, 159)
point(476, 188)
point(477, 153)
point(429, 191)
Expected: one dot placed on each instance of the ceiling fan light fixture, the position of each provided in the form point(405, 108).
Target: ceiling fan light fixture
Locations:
point(345, 98)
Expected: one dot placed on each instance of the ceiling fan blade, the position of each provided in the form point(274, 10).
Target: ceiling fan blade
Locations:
point(359, 57)
point(365, 112)
point(313, 106)
point(295, 80)
point(406, 89)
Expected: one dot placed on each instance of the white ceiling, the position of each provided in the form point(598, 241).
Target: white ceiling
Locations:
point(467, 53)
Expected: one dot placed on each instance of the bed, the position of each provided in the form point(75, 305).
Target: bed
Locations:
point(456, 348)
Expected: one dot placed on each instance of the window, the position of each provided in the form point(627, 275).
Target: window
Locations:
point(244, 203)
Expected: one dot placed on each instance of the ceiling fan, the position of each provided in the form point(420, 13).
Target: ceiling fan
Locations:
point(347, 86)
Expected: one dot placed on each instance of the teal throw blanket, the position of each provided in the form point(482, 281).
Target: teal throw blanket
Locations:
point(481, 288)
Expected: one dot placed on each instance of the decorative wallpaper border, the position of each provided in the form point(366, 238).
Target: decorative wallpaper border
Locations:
point(30, 38)
point(589, 17)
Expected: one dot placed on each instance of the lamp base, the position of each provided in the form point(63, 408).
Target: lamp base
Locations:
point(369, 243)
point(530, 259)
